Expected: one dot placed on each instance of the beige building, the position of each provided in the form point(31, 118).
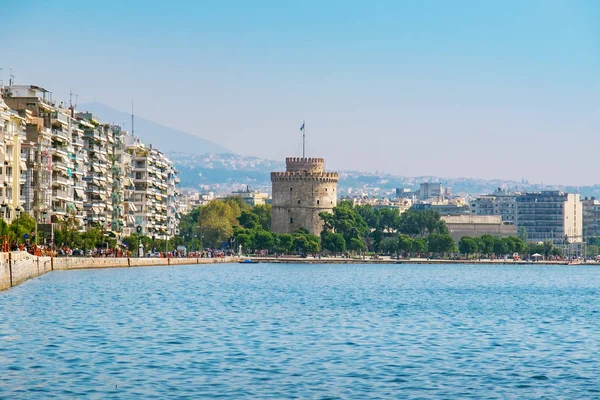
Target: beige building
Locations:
point(477, 225)
point(551, 215)
point(300, 193)
point(252, 198)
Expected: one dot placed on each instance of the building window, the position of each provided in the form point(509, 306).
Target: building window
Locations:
point(291, 220)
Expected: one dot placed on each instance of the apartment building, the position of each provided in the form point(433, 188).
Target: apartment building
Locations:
point(500, 203)
point(12, 133)
point(550, 215)
point(58, 164)
point(591, 218)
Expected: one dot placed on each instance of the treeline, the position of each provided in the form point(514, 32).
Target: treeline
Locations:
point(230, 222)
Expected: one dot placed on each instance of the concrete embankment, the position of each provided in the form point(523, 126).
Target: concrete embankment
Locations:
point(17, 267)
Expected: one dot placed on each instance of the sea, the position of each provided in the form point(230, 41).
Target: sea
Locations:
point(304, 331)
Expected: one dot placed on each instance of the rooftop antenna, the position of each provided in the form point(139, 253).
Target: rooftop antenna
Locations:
point(11, 78)
point(132, 127)
point(1, 80)
point(303, 129)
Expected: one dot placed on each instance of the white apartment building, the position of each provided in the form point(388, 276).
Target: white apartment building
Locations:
point(551, 215)
point(500, 203)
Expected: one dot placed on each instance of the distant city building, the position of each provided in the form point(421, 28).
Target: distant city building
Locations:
point(444, 208)
point(501, 202)
point(591, 218)
point(252, 198)
point(477, 225)
point(430, 190)
point(550, 215)
point(300, 193)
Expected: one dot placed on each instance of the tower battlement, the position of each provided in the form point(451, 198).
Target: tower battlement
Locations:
point(305, 176)
point(304, 164)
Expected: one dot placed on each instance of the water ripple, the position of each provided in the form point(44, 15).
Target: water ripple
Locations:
point(303, 331)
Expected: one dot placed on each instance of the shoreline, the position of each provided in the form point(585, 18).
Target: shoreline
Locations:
point(18, 267)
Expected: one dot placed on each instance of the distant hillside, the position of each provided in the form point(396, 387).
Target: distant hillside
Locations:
point(161, 137)
point(224, 172)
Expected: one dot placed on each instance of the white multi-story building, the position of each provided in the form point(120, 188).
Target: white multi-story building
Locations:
point(500, 203)
point(550, 215)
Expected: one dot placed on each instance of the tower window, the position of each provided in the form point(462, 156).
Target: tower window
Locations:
point(317, 202)
point(298, 201)
point(291, 189)
point(325, 189)
point(291, 220)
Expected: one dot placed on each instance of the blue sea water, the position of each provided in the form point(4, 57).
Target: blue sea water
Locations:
point(304, 331)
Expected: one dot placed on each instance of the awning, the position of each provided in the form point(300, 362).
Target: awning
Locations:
point(130, 219)
point(96, 210)
point(158, 198)
point(79, 193)
point(71, 207)
point(132, 207)
point(22, 165)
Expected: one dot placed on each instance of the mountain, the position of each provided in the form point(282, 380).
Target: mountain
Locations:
point(159, 136)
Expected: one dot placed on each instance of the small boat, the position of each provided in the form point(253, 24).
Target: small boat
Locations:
point(249, 261)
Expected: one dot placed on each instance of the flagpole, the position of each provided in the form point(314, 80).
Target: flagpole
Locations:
point(303, 139)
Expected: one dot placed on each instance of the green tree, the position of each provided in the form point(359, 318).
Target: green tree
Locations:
point(356, 244)
point(468, 245)
point(488, 244)
point(440, 243)
point(346, 221)
point(369, 215)
point(284, 243)
point(245, 240)
point(419, 246)
point(406, 244)
point(263, 212)
point(263, 240)
point(389, 219)
point(389, 245)
point(248, 220)
point(500, 247)
point(333, 242)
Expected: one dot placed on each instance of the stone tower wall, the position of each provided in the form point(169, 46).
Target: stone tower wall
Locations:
point(300, 195)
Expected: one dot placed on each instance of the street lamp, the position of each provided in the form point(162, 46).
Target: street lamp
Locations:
point(17, 214)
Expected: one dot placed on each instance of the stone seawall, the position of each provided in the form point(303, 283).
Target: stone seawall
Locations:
point(17, 267)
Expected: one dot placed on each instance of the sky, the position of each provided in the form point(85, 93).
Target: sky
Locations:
point(482, 89)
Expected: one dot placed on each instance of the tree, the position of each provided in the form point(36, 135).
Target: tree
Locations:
point(300, 243)
point(419, 246)
point(389, 219)
point(369, 215)
point(333, 242)
point(389, 245)
point(283, 243)
point(248, 220)
point(263, 212)
point(245, 240)
point(263, 240)
point(488, 244)
point(406, 244)
point(346, 221)
point(313, 244)
point(500, 247)
point(217, 219)
point(440, 243)
point(467, 245)
point(420, 222)
point(356, 244)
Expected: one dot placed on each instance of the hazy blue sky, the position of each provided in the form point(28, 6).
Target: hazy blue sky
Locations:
point(505, 89)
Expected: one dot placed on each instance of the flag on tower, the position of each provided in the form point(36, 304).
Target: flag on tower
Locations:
point(302, 127)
